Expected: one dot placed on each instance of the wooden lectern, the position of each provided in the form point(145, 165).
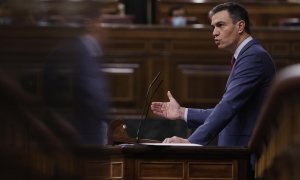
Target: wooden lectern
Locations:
point(138, 161)
point(124, 159)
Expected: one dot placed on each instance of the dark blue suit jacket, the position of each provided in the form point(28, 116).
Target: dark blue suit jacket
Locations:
point(234, 117)
point(75, 84)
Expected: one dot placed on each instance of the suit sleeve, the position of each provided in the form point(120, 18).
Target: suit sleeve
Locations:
point(196, 117)
point(246, 76)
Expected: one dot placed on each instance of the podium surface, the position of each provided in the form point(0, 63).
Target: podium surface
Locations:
point(138, 161)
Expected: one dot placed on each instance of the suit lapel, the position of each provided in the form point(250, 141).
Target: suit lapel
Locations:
point(244, 49)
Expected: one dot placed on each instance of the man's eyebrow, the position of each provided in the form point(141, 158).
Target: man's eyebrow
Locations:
point(218, 22)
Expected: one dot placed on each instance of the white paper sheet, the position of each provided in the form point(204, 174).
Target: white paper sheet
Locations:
point(170, 144)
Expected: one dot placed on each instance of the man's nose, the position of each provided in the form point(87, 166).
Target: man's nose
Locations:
point(215, 32)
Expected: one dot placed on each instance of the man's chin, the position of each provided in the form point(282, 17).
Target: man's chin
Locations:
point(221, 47)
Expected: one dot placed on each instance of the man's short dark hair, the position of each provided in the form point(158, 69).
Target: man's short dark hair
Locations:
point(236, 11)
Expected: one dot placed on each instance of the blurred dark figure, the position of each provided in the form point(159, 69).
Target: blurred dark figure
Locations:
point(75, 87)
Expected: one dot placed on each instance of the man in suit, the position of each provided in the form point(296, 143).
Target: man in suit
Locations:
point(233, 118)
point(75, 84)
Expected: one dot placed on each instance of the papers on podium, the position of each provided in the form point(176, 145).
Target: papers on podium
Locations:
point(170, 144)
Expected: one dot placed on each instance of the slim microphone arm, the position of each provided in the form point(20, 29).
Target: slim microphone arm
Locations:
point(146, 106)
point(148, 92)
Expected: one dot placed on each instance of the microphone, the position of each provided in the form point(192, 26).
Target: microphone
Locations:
point(146, 105)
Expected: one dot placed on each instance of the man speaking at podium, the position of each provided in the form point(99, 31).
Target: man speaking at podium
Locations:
point(233, 118)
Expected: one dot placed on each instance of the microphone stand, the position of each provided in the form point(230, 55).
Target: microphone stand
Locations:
point(146, 106)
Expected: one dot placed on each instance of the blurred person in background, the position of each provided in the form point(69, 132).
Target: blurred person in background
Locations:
point(178, 17)
point(82, 89)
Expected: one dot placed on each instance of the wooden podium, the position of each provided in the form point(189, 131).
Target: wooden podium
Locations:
point(152, 162)
point(138, 161)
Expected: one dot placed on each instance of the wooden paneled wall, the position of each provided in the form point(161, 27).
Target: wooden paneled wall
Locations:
point(28, 148)
point(192, 67)
point(262, 13)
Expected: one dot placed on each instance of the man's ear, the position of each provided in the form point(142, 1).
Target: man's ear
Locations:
point(241, 26)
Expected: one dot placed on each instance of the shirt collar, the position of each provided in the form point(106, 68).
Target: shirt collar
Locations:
point(243, 44)
point(91, 45)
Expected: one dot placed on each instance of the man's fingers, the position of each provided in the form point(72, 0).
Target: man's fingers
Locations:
point(157, 110)
point(159, 113)
point(156, 107)
point(170, 95)
point(166, 140)
point(173, 139)
point(157, 103)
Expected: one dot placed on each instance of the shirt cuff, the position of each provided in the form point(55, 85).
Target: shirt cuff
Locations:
point(185, 114)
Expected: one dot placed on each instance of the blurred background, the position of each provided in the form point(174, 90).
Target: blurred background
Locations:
point(136, 40)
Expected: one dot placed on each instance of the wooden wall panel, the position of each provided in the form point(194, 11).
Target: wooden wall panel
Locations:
point(160, 170)
point(159, 46)
point(295, 48)
point(280, 49)
point(190, 64)
point(29, 75)
point(201, 83)
point(211, 170)
point(125, 46)
point(122, 78)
